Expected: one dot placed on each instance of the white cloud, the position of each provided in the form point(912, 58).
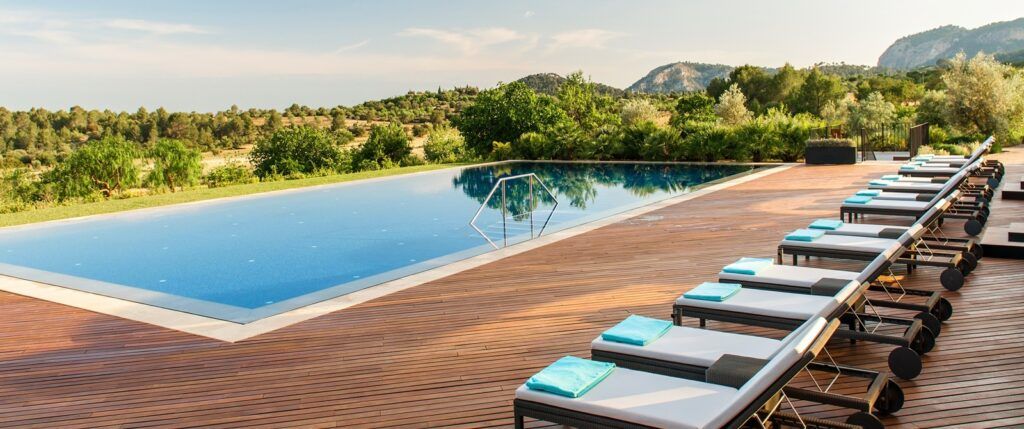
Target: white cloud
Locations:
point(469, 42)
point(594, 38)
point(154, 27)
point(528, 14)
point(352, 46)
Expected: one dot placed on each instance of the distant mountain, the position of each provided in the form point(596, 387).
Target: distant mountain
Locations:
point(925, 48)
point(680, 77)
point(1016, 57)
point(548, 83)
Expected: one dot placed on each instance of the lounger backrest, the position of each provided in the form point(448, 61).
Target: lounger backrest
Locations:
point(880, 263)
point(951, 185)
point(779, 366)
point(982, 149)
point(934, 211)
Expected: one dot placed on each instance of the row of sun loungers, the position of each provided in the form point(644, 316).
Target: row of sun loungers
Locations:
point(651, 373)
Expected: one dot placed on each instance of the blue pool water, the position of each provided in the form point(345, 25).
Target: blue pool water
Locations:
point(247, 258)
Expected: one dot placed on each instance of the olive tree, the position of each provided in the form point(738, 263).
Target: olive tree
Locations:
point(107, 166)
point(732, 107)
point(174, 165)
point(982, 94)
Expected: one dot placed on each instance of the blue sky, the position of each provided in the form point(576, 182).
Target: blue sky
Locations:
point(207, 55)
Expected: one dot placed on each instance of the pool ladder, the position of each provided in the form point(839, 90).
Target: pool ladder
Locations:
point(531, 178)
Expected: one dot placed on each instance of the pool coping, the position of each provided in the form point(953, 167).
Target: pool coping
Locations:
point(232, 332)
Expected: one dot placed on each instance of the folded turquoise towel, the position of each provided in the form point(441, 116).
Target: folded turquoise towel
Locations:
point(908, 167)
point(923, 157)
point(637, 330)
point(570, 376)
point(805, 235)
point(708, 291)
point(857, 199)
point(748, 266)
point(881, 182)
point(827, 224)
point(869, 192)
point(891, 177)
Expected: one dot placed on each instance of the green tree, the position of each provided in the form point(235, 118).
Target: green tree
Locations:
point(107, 166)
point(579, 99)
point(732, 107)
point(444, 144)
point(983, 95)
point(693, 107)
point(817, 90)
point(338, 120)
point(387, 146)
point(296, 150)
point(174, 165)
point(873, 112)
point(932, 108)
point(503, 114)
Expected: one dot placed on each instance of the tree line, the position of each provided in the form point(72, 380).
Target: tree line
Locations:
point(752, 114)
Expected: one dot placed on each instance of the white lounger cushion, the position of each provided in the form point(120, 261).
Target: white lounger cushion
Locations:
point(909, 186)
point(862, 229)
point(646, 398)
point(892, 204)
point(847, 243)
point(677, 403)
point(769, 303)
point(896, 196)
point(789, 275)
point(697, 347)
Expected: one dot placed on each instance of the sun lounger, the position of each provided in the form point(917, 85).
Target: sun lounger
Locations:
point(807, 280)
point(786, 311)
point(916, 252)
point(689, 352)
point(736, 391)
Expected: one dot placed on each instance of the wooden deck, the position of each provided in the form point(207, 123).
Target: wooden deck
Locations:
point(450, 353)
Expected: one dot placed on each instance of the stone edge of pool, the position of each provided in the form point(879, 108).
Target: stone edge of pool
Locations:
point(233, 332)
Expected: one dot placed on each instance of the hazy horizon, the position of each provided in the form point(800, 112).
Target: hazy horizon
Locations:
point(207, 56)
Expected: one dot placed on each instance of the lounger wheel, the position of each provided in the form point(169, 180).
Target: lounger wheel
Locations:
point(924, 342)
point(970, 262)
point(931, 322)
point(905, 363)
point(993, 182)
point(973, 227)
point(865, 420)
point(891, 399)
point(952, 279)
point(943, 309)
point(978, 251)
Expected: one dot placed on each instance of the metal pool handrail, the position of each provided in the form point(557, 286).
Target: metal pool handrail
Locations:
point(504, 206)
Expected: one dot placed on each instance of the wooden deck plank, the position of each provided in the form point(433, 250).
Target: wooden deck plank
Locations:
point(449, 353)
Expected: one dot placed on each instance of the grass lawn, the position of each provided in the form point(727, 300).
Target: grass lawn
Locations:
point(194, 194)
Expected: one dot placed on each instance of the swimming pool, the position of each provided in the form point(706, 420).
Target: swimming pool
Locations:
point(244, 259)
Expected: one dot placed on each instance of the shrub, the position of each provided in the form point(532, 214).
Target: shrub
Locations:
point(231, 173)
point(831, 143)
point(444, 144)
point(420, 130)
point(663, 144)
point(296, 150)
point(638, 110)
point(387, 146)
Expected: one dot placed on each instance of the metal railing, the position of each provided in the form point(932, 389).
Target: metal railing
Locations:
point(501, 183)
